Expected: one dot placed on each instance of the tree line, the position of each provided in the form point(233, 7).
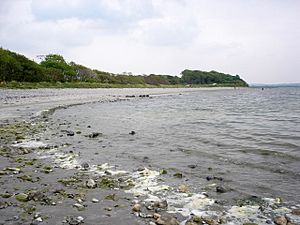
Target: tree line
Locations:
point(54, 68)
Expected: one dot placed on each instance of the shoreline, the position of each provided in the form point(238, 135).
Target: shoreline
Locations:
point(27, 103)
point(43, 184)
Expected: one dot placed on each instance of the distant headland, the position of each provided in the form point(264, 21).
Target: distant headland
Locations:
point(17, 71)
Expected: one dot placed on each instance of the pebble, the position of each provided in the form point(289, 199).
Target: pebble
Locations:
point(296, 212)
point(94, 135)
point(137, 208)
point(159, 221)
point(94, 200)
point(78, 206)
point(75, 220)
point(91, 183)
point(85, 165)
point(152, 223)
point(108, 209)
point(190, 223)
point(183, 188)
point(221, 189)
point(280, 220)
point(70, 133)
point(167, 220)
point(39, 219)
point(192, 166)
point(22, 197)
point(156, 216)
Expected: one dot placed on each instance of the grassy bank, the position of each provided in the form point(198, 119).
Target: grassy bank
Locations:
point(35, 85)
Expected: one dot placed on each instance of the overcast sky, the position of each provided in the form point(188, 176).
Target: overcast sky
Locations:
point(257, 39)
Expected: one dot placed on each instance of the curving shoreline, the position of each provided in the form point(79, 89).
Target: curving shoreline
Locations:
point(60, 185)
point(23, 104)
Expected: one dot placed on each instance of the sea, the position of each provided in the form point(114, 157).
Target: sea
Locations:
point(223, 145)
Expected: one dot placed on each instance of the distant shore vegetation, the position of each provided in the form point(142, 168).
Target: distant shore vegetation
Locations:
point(17, 71)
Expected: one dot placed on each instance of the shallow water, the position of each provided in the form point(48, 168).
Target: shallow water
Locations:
point(249, 137)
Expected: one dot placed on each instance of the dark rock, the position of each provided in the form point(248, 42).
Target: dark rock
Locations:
point(178, 175)
point(209, 178)
point(94, 135)
point(85, 165)
point(75, 220)
point(296, 212)
point(132, 132)
point(146, 159)
point(214, 178)
point(221, 189)
point(70, 133)
point(192, 166)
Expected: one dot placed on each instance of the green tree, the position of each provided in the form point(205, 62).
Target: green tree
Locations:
point(58, 64)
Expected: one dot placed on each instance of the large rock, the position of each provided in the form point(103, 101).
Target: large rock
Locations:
point(280, 220)
point(293, 218)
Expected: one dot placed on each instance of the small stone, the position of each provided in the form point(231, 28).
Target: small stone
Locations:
point(78, 206)
point(152, 223)
point(108, 209)
point(163, 171)
point(167, 220)
point(296, 212)
point(132, 132)
point(190, 223)
point(210, 221)
point(161, 204)
point(178, 175)
point(156, 216)
point(39, 219)
point(221, 189)
point(183, 188)
point(159, 221)
point(70, 133)
point(143, 215)
point(192, 166)
point(280, 220)
point(197, 219)
point(250, 224)
point(85, 166)
point(91, 183)
point(94, 135)
point(94, 200)
point(208, 178)
point(79, 200)
point(22, 197)
point(137, 208)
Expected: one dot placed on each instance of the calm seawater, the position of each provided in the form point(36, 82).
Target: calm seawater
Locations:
point(249, 137)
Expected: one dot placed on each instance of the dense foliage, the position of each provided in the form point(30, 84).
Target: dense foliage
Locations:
point(54, 68)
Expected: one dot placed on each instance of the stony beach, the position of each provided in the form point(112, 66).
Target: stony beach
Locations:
point(45, 181)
